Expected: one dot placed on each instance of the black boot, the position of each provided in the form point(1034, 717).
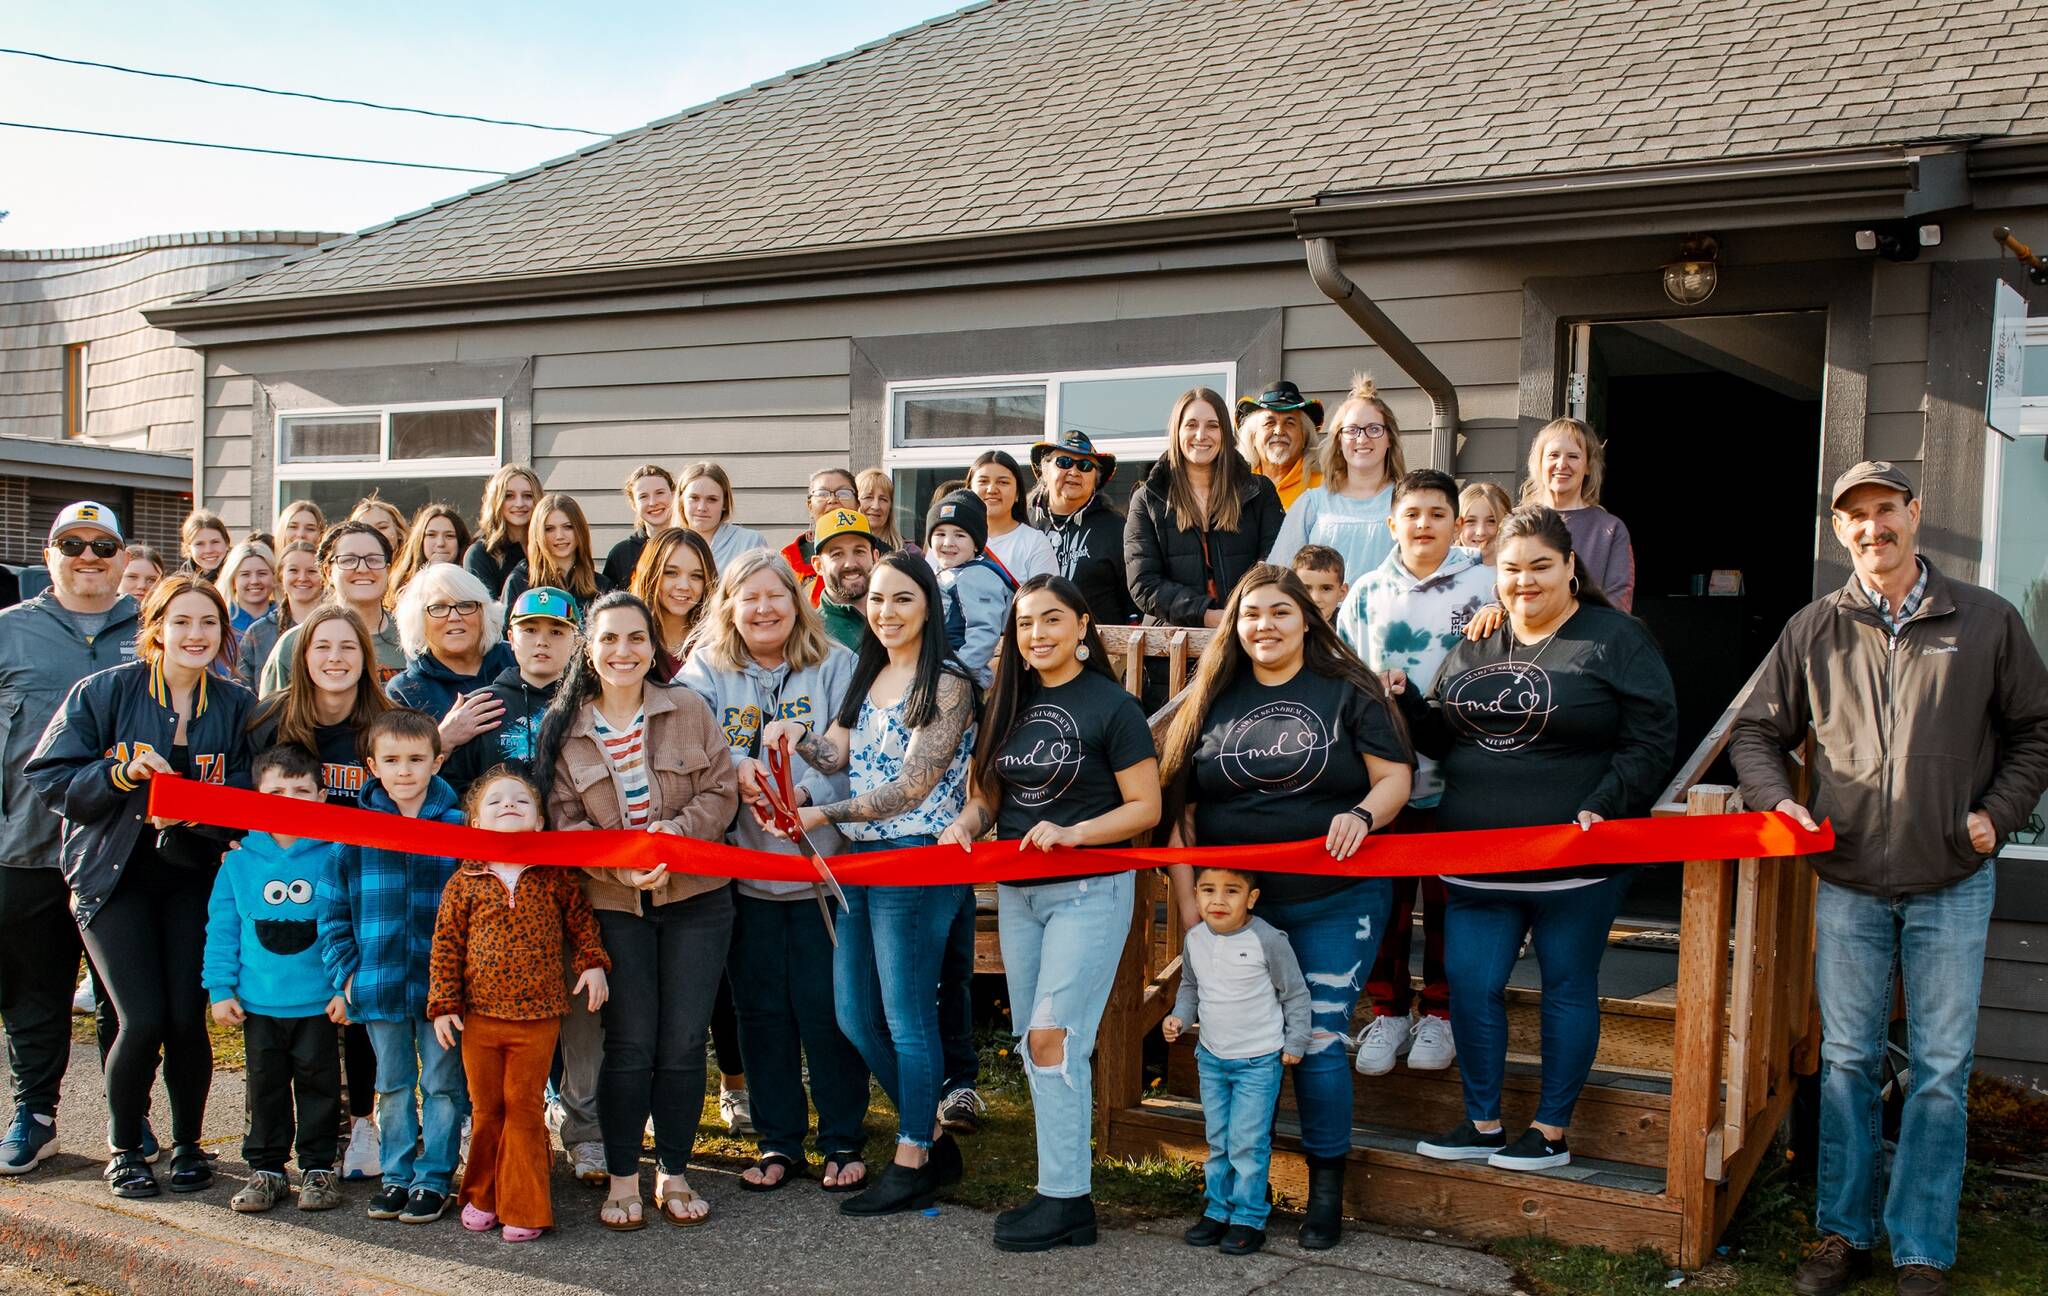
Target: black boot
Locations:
point(1324, 1226)
point(901, 1188)
point(1046, 1222)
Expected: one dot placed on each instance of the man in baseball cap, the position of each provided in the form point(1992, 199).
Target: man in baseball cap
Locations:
point(844, 550)
point(81, 624)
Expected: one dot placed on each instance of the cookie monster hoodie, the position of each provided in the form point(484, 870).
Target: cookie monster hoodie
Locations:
point(261, 935)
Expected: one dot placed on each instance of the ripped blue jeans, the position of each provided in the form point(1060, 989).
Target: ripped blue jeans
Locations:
point(1061, 944)
point(1335, 939)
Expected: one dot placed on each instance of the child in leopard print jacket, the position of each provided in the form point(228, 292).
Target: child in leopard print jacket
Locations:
point(501, 939)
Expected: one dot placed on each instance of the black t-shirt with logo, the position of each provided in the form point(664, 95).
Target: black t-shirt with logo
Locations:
point(1277, 762)
point(1061, 760)
point(342, 772)
point(1530, 735)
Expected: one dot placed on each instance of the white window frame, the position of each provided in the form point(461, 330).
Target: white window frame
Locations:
point(1133, 449)
point(2033, 436)
point(383, 467)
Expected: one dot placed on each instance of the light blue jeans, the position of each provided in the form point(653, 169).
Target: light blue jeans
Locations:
point(1238, 1097)
point(409, 1057)
point(1938, 939)
point(1061, 945)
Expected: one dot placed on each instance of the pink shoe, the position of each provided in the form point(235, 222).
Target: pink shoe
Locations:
point(513, 1233)
point(477, 1220)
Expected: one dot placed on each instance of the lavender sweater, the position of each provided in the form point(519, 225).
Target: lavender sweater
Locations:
point(1605, 555)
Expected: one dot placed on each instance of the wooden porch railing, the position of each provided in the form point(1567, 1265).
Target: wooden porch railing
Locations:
point(1744, 1027)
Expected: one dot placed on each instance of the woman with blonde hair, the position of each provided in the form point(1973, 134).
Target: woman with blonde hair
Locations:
point(437, 535)
point(760, 652)
point(509, 499)
point(674, 577)
point(205, 541)
point(704, 505)
point(558, 555)
point(1566, 465)
point(300, 520)
point(878, 504)
point(382, 514)
point(1361, 461)
point(1482, 508)
point(248, 579)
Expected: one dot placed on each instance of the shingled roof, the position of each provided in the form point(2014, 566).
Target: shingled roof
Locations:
point(1019, 115)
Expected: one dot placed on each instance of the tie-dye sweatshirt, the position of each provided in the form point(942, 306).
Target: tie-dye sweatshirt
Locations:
point(1397, 622)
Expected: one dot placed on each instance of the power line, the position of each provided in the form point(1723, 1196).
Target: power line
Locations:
point(247, 148)
point(301, 94)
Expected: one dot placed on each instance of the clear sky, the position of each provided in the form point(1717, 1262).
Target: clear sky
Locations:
point(609, 67)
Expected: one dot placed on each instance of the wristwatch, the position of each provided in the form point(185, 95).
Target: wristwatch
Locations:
point(1364, 814)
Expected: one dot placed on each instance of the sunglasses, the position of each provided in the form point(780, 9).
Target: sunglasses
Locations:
point(1070, 462)
point(72, 546)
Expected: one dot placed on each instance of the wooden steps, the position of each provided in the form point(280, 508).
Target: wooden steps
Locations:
point(1595, 1202)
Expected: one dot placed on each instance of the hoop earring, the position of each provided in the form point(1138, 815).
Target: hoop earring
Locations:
point(1575, 587)
point(1081, 653)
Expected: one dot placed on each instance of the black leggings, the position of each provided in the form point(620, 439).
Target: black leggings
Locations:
point(359, 1064)
point(147, 943)
point(725, 1032)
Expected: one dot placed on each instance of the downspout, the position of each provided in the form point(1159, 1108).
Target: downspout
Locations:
point(1329, 276)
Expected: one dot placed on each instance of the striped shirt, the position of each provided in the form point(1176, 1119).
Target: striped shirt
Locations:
point(625, 752)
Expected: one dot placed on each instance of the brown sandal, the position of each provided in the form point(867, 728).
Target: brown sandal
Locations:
point(621, 1204)
point(680, 1193)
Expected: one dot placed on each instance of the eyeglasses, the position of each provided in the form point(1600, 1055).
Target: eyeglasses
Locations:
point(72, 546)
point(1363, 432)
point(1071, 463)
point(844, 495)
point(442, 611)
point(361, 562)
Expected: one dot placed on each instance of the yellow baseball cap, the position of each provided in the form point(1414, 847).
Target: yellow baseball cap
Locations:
point(839, 522)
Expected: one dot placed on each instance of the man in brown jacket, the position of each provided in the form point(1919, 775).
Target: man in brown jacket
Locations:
point(1928, 704)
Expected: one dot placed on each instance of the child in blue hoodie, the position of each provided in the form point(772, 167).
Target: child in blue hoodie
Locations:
point(974, 585)
point(376, 925)
point(262, 972)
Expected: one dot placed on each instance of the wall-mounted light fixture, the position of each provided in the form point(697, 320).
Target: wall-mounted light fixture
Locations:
point(1898, 240)
point(1693, 275)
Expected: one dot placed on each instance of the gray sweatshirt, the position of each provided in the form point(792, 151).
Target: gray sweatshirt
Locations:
point(743, 702)
point(1246, 991)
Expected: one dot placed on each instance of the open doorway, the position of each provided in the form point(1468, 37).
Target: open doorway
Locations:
point(1713, 432)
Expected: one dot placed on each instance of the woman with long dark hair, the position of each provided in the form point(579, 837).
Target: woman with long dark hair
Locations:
point(903, 735)
point(621, 748)
point(1199, 520)
point(1284, 730)
point(139, 885)
point(438, 534)
point(1065, 758)
point(1022, 549)
point(1565, 714)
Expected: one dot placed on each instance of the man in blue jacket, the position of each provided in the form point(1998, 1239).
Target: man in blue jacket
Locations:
point(80, 625)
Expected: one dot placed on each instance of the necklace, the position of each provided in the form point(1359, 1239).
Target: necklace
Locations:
point(1530, 664)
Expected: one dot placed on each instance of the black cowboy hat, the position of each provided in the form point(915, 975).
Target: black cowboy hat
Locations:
point(1282, 397)
point(1075, 442)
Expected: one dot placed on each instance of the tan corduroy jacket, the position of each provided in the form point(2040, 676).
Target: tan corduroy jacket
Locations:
point(689, 776)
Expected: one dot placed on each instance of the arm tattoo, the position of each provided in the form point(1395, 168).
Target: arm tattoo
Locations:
point(824, 755)
point(925, 761)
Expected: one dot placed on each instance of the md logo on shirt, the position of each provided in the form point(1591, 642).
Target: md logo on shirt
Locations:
point(1279, 747)
point(1507, 704)
point(1043, 756)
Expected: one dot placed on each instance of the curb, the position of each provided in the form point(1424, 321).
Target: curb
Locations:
point(126, 1251)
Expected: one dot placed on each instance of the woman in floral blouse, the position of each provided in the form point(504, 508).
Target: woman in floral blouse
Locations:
point(904, 736)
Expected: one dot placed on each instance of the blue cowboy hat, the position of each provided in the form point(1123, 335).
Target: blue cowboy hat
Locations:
point(1075, 442)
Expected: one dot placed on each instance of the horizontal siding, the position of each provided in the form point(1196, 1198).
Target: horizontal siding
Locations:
point(720, 399)
point(751, 360)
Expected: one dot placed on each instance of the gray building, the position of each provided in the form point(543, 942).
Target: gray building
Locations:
point(1036, 214)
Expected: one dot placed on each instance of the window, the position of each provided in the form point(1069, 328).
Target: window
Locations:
point(938, 426)
point(2016, 529)
point(410, 455)
point(74, 390)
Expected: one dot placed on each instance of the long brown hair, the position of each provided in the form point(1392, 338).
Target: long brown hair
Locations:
point(1232, 474)
point(1335, 471)
point(293, 710)
point(646, 583)
point(1015, 685)
point(1323, 653)
point(411, 556)
point(491, 524)
point(149, 633)
point(580, 576)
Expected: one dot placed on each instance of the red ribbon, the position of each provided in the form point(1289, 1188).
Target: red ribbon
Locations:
point(1493, 850)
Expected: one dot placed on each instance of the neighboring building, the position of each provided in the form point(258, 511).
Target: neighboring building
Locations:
point(1034, 214)
point(94, 402)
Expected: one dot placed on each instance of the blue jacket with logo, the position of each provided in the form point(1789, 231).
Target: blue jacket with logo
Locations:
point(105, 722)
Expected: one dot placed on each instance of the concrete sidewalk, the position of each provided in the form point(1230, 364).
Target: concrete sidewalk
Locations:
point(63, 1220)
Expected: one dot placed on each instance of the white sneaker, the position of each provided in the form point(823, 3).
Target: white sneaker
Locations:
point(361, 1160)
point(587, 1163)
point(1380, 1043)
point(82, 1000)
point(1434, 1047)
point(736, 1109)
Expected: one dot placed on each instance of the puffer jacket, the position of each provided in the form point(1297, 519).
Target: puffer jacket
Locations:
point(690, 777)
point(107, 720)
point(428, 685)
point(742, 703)
point(1089, 543)
point(41, 656)
point(1911, 733)
point(1171, 569)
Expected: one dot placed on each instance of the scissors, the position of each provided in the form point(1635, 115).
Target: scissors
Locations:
point(781, 793)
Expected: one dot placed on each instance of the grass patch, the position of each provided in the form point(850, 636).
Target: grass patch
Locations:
point(228, 1054)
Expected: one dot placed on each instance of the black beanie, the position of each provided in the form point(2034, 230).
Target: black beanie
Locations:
point(963, 509)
